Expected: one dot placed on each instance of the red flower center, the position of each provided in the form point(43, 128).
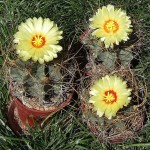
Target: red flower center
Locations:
point(111, 26)
point(110, 97)
point(38, 41)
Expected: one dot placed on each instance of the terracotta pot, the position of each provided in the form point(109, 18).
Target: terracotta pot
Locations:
point(30, 117)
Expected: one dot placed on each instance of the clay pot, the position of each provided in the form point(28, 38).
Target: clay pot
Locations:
point(30, 117)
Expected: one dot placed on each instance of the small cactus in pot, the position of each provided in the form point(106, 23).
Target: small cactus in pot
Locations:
point(112, 94)
point(40, 83)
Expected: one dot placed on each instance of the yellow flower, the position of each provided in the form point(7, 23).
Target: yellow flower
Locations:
point(37, 39)
point(111, 25)
point(109, 94)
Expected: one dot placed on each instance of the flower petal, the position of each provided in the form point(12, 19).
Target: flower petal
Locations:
point(37, 39)
point(110, 25)
point(108, 95)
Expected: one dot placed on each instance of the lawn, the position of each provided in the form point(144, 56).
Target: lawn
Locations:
point(65, 130)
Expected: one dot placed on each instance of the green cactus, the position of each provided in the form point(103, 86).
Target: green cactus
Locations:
point(116, 61)
point(128, 120)
point(107, 57)
point(43, 82)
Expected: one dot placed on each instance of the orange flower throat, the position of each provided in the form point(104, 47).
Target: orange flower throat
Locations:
point(110, 97)
point(38, 41)
point(111, 26)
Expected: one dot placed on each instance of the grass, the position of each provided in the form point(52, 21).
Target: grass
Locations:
point(72, 16)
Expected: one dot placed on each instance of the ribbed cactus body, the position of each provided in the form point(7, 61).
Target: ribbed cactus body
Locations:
point(42, 82)
point(109, 58)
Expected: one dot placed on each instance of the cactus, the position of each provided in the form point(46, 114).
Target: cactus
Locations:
point(40, 80)
point(128, 120)
point(107, 58)
point(44, 83)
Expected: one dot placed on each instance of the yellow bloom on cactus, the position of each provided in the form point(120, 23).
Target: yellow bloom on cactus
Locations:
point(108, 95)
point(37, 39)
point(110, 25)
